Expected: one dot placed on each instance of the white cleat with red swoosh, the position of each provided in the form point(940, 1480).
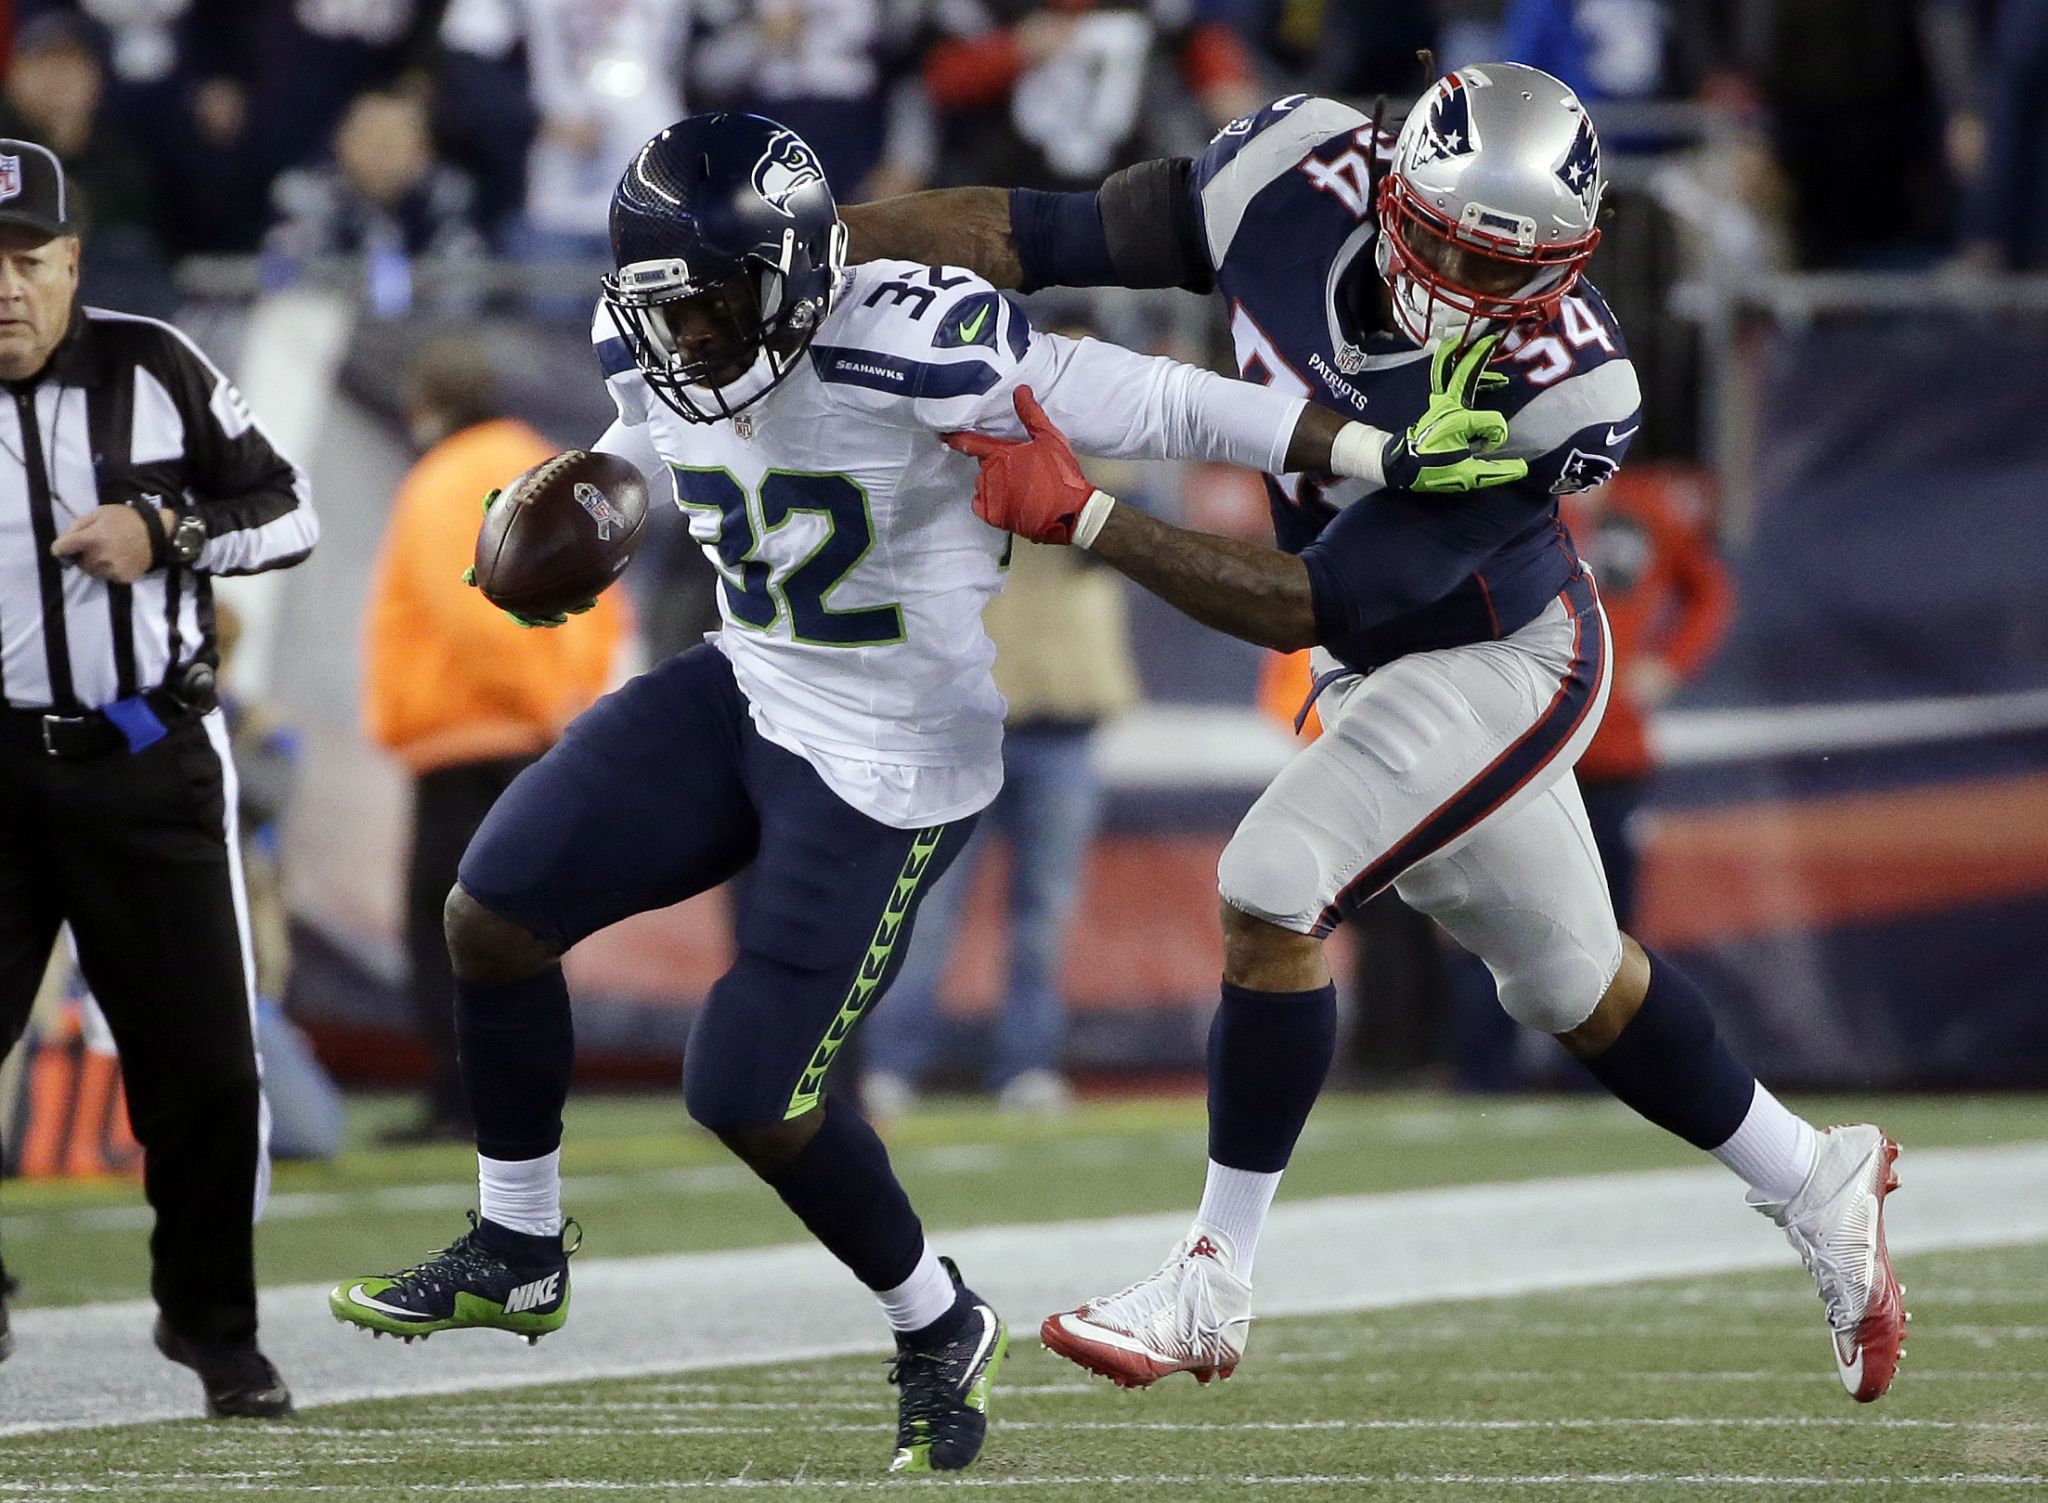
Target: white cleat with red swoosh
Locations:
point(1836, 1225)
point(1192, 1316)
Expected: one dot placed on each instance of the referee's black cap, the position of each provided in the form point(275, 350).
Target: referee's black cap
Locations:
point(32, 188)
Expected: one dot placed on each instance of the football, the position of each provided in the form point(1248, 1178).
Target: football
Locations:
point(559, 534)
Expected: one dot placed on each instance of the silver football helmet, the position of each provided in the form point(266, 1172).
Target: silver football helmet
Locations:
point(1487, 210)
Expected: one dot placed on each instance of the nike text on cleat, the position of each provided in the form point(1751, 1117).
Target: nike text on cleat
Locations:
point(1836, 1225)
point(467, 1284)
point(1192, 1316)
point(942, 1412)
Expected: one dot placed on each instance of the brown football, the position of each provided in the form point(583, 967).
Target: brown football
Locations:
point(561, 533)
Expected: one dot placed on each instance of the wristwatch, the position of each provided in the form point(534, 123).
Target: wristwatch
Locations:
point(188, 539)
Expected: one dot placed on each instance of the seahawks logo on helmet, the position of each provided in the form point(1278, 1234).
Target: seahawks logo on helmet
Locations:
point(786, 167)
point(1447, 128)
point(1580, 169)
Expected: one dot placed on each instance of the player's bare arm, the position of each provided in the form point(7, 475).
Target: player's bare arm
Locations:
point(1135, 230)
point(1244, 590)
point(967, 227)
point(1036, 489)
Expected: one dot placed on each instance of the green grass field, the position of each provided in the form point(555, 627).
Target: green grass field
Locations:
point(1703, 1388)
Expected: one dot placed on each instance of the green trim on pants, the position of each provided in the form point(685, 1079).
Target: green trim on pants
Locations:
point(874, 968)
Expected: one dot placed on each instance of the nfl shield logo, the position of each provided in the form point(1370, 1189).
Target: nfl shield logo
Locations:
point(10, 178)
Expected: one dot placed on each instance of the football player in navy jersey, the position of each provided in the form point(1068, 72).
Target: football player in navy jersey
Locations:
point(1429, 285)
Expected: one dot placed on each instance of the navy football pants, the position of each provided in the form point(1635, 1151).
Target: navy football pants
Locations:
point(663, 790)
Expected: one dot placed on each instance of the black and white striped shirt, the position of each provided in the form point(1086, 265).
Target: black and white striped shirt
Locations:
point(129, 408)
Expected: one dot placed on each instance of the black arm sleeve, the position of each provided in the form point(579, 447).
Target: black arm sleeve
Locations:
point(1148, 217)
point(1138, 230)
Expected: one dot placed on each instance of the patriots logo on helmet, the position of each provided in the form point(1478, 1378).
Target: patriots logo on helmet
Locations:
point(10, 178)
point(1583, 471)
point(592, 500)
point(1580, 169)
point(785, 167)
point(1447, 128)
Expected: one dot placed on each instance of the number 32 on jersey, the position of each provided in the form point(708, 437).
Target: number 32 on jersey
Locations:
point(762, 580)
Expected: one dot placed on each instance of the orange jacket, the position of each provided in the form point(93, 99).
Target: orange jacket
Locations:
point(448, 677)
point(1667, 597)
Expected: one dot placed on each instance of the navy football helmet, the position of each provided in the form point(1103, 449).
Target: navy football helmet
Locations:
point(729, 251)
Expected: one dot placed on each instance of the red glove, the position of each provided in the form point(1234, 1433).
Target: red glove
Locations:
point(1033, 488)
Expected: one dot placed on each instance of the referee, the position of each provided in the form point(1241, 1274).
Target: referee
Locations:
point(131, 473)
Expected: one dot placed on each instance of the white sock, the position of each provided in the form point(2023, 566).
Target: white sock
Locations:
point(1773, 1150)
point(522, 1195)
point(920, 1299)
point(1235, 1202)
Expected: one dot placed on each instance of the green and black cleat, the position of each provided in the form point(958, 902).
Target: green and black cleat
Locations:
point(942, 1415)
point(487, 1279)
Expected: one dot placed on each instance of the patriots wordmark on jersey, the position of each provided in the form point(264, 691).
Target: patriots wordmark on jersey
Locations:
point(853, 568)
point(1282, 207)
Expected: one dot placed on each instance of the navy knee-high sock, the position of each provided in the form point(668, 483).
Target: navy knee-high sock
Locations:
point(842, 1188)
point(1670, 1065)
point(1268, 1055)
point(516, 1045)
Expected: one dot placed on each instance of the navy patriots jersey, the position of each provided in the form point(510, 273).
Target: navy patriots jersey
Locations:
point(1282, 207)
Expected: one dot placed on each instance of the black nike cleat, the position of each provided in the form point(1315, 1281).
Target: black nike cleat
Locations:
point(489, 1278)
point(942, 1416)
point(239, 1380)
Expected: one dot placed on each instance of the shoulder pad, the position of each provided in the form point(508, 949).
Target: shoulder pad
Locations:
point(1248, 154)
point(924, 333)
point(927, 313)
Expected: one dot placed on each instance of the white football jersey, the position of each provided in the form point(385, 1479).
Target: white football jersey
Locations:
point(853, 567)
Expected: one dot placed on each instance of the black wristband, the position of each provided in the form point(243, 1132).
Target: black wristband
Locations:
point(159, 540)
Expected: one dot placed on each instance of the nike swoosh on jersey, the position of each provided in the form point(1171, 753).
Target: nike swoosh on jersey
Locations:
point(973, 327)
point(1615, 438)
point(355, 1296)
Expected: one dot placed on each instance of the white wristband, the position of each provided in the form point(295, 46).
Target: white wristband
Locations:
point(1356, 452)
point(1094, 512)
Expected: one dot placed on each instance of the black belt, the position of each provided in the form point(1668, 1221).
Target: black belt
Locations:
point(78, 734)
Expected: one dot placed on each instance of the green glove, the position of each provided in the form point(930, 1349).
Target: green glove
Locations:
point(1439, 453)
point(560, 618)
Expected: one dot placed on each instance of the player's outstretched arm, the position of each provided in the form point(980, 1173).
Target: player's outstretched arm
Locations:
point(1138, 229)
point(1036, 490)
point(1245, 590)
point(1375, 562)
point(967, 227)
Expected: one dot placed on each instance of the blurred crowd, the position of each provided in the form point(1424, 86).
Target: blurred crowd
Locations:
point(1854, 133)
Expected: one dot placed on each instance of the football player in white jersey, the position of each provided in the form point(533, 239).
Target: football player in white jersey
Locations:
point(838, 736)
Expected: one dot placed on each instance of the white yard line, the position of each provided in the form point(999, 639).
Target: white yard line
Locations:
point(218, 1486)
point(92, 1365)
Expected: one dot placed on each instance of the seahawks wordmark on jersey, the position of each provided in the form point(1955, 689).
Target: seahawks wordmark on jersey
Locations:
point(853, 568)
